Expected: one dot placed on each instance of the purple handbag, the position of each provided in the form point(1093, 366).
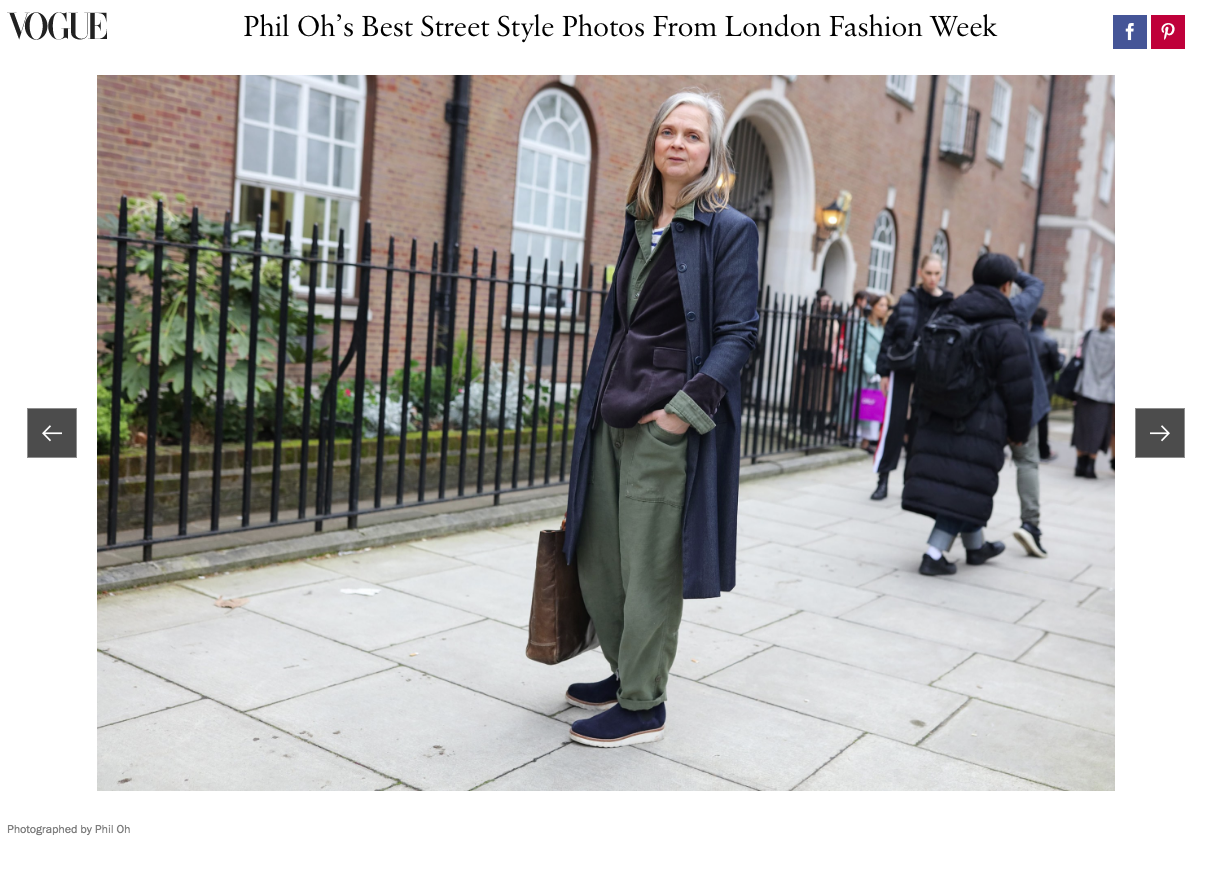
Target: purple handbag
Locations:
point(872, 405)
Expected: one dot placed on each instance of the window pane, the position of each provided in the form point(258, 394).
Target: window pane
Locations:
point(280, 212)
point(543, 170)
point(340, 218)
point(255, 148)
point(345, 119)
point(547, 106)
point(251, 204)
point(284, 154)
point(288, 99)
point(527, 166)
point(560, 209)
point(562, 176)
point(353, 81)
point(540, 213)
point(320, 113)
point(531, 128)
point(315, 213)
point(316, 158)
point(575, 215)
point(258, 99)
point(579, 139)
point(523, 205)
point(345, 167)
point(578, 185)
point(555, 135)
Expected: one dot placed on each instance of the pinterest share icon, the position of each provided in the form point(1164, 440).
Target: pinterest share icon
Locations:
point(1167, 31)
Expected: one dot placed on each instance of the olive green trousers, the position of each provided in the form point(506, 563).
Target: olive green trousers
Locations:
point(629, 555)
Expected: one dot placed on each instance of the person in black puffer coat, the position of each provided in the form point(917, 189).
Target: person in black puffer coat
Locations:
point(953, 469)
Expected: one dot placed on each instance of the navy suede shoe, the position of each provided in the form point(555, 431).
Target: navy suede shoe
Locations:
point(619, 726)
point(594, 696)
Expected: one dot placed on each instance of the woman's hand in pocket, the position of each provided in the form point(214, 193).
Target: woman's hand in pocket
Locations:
point(668, 422)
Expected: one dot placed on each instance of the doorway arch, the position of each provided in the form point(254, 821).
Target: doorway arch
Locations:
point(838, 268)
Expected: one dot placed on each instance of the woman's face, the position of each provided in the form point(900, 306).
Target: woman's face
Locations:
point(879, 311)
point(682, 147)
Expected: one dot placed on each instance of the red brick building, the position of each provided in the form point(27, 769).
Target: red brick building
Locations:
point(548, 159)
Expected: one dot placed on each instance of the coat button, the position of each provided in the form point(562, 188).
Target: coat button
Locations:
point(698, 361)
point(677, 227)
point(690, 315)
point(681, 266)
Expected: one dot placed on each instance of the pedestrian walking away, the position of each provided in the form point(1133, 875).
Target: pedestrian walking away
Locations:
point(878, 307)
point(896, 364)
point(1095, 395)
point(1050, 358)
point(954, 465)
point(651, 515)
point(1027, 293)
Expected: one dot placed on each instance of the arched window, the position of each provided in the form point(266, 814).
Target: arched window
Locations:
point(941, 247)
point(882, 254)
point(550, 190)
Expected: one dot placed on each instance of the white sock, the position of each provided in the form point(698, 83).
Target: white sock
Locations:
point(933, 553)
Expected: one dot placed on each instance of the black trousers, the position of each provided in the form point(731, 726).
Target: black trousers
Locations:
point(891, 442)
point(1044, 436)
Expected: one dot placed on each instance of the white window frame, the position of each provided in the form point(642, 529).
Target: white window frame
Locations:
point(942, 250)
point(579, 238)
point(1033, 145)
point(882, 254)
point(1108, 156)
point(954, 113)
point(997, 133)
point(300, 188)
point(903, 88)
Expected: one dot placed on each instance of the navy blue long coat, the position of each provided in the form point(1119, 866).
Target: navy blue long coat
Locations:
point(717, 273)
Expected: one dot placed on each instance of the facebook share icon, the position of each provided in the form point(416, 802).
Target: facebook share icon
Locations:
point(1129, 31)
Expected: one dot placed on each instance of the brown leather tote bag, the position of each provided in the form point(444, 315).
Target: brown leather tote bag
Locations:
point(560, 627)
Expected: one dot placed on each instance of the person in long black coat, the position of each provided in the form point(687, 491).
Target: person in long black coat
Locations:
point(953, 470)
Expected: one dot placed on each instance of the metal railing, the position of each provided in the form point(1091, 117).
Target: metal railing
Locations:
point(230, 385)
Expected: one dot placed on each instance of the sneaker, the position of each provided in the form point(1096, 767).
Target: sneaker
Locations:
point(619, 727)
point(937, 566)
point(987, 550)
point(1030, 537)
point(594, 696)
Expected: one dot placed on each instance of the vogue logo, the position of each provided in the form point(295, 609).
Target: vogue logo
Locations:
point(62, 25)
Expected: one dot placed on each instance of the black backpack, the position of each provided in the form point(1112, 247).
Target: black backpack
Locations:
point(951, 378)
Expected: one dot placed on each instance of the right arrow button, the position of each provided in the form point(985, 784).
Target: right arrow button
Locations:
point(1159, 432)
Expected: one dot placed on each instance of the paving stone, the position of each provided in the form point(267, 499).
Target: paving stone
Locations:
point(875, 763)
point(1102, 577)
point(746, 741)
point(1034, 747)
point(765, 489)
point(1079, 658)
point(1044, 588)
point(517, 560)
point(577, 767)
point(481, 590)
point(815, 565)
point(528, 531)
point(368, 623)
point(734, 612)
point(941, 625)
point(205, 746)
point(797, 591)
point(471, 543)
point(1101, 602)
point(1034, 690)
point(703, 651)
point(895, 655)
point(785, 513)
point(912, 539)
point(148, 609)
point(124, 692)
point(388, 564)
point(245, 660)
point(870, 551)
point(1072, 621)
point(425, 732)
point(261, 579)
point(1015, 558)
point(490, 657)
point(868, 510)
point(764, 530)
point(945, 592)
point(860, 699)
point(745, 542)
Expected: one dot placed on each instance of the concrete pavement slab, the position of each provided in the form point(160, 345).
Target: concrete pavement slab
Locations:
point(480, 590)
point(528, 531)
point(1034, 690)
point(1101, 602)
point(576, 767)
point(245, 660)
point(261, 579)
point(1071, 621)
point(124, 692)
point(875, 763)
point(764, 530)
point(365, 622)
point(427, 733)
point(1015, 558)
point(1078, 658)
point(884, 533)
point(797, 591)
point(388, 564)
point(785, 512)
point(871, 511)
point(814, 565)
point(734, 612)
point(1032, 585)
point(205, 746)
point(471, 543)
point(945, 592)
point(1101, 577)
point(940, 625)
point(839, 693)
point(517, 560)
point(490, 657)
point(703, 651)
point(148, 609)
point(743, 740)
point(1034, 747)
point(870, 551)
point(886, 652)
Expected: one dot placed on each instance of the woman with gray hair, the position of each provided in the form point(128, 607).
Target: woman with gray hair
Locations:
point(651, 513)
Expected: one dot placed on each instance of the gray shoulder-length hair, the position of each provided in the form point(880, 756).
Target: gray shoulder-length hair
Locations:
point(711, 189)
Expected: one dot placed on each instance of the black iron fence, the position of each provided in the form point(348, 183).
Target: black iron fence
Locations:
point(227, 401)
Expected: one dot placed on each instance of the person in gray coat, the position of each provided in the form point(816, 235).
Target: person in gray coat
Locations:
point(1095, 393)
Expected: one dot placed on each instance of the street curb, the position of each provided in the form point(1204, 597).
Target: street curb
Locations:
point(437, 525)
